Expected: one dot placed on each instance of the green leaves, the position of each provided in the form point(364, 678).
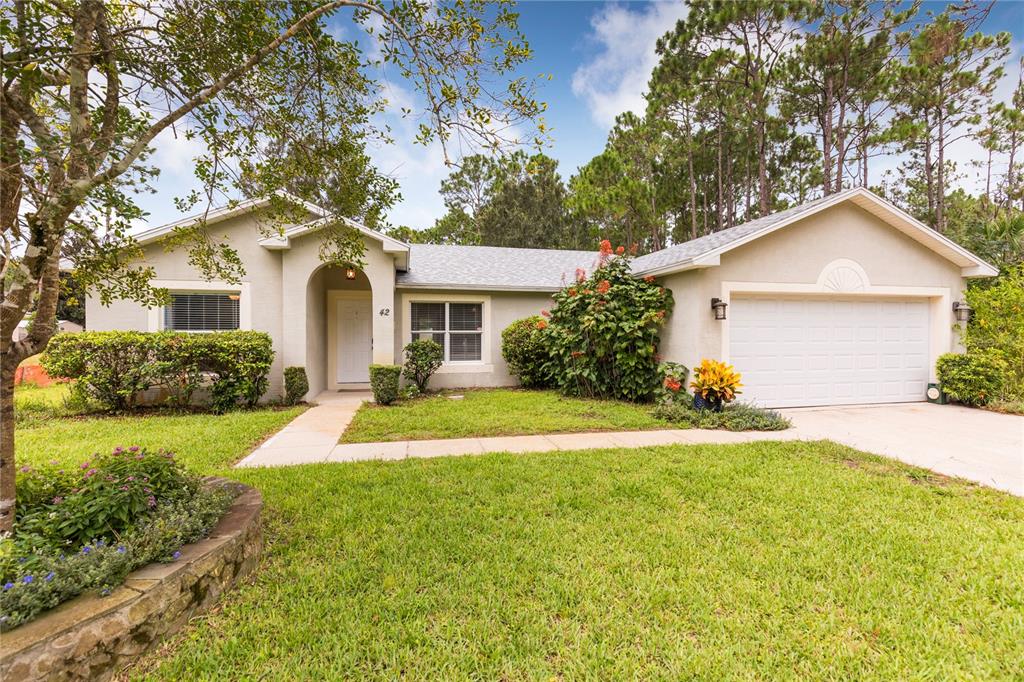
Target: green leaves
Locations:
point(602, 333)
point(117, 367)
point(423, 357)
point(384, 383)
point(997, 325)
point(523, 347)
point(511, 200)
point(973, 378)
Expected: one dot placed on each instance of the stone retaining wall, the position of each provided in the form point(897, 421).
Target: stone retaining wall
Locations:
point(91, 637)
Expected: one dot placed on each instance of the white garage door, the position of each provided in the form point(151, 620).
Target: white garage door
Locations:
point(795, 352)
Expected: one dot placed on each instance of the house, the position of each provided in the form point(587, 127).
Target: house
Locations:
point(842, 300)
point(65, 326)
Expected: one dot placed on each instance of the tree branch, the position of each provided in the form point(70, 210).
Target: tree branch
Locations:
point(233, 75)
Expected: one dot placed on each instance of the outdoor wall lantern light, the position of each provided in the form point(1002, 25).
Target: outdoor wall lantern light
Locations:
point(719, 306)
point(350, 273)
point(962, 311)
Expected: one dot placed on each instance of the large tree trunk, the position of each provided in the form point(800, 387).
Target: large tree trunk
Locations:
point(929, 174)
point(988, 178)
point(730, 190)
point(865, 132)
point(841, 147)
point(721, 197)
point(762, 169)
point(826, 138)
point(940, 178)
point(40, 270)
point(693, 182)
point(1009, 170)
point(8, 365)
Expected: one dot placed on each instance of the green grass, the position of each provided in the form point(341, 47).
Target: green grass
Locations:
point(761, 561)
point(204, 442)
point(1007, 406)
point(766, 560)
point(495, 412)
point(31, 396)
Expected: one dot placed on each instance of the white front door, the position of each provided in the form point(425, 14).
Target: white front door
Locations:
point(797, 352)
point(355, 341)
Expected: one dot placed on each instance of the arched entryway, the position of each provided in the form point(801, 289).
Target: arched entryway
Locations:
point(339, 327)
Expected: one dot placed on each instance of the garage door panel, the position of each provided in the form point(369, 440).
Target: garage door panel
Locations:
point(821, 351)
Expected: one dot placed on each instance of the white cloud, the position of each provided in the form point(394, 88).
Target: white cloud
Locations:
point(419, 170)
point(615, 79)
point(174, 153)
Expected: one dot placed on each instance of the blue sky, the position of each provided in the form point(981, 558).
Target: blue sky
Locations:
point(599, 55)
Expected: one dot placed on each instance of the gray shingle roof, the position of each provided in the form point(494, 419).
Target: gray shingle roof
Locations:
point(492, 267)
point(680, 253)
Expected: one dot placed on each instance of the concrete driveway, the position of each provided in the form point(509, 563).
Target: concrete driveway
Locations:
point(957, 441)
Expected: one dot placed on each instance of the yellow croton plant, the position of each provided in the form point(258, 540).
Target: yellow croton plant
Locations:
point(716, 381)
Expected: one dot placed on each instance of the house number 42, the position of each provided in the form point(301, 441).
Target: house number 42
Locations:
point(384, 312)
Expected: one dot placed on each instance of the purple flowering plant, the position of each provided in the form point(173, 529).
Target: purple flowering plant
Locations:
point(87, 528)
point(102, 499)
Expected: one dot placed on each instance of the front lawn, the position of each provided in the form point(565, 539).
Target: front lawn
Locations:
point(764, 560)
point(761, 561)
point(495, 412)
point(203, 442)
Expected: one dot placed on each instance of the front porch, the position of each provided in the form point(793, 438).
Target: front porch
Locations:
point(337, 320)
point(340, 318)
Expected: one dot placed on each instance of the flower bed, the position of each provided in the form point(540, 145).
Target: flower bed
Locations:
point(85, 529)
point(92, 636)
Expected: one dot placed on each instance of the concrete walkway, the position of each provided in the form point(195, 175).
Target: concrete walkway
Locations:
point(974, 444)
point(274, 455)
point(312, 435)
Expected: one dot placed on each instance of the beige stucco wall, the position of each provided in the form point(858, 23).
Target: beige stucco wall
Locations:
point(500, 310)
point(796, 255)
point(286, 297)
point(306, 323)
point(262, 277)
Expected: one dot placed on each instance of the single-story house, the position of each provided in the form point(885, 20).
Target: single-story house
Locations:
point(65, 326)
point(842, 300)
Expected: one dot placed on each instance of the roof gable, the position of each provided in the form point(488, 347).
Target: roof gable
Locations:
point(275, 242)
point(222, 213)
point(283, 241)
point(706, 251)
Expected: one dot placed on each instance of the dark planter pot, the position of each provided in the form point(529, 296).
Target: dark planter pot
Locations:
point(701, 404)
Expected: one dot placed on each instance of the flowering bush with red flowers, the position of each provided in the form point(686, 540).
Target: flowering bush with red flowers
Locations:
point(671, 387)
point(603, 331)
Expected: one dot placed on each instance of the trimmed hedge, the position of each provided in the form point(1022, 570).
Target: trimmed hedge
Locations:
point(972, 378)
point(384, 382)
point(114, 368)
point(296, 385)
point(522, 346)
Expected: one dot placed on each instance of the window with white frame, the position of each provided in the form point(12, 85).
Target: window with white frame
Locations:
point(458, 327)
point(202, 311)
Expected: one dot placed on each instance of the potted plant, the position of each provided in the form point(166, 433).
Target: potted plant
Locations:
point(714, 384)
